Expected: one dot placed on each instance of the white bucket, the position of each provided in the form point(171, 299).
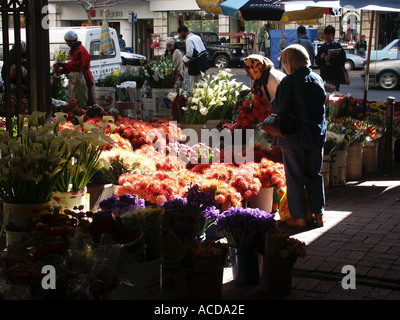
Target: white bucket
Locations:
point(354, 161)
point(13, 237)
point(105, 97)
point(325, 170)
point(337, 175)
point(162, 106)
point(263, 200)
point(19, 214)
point(69, 200)
point(370, 156)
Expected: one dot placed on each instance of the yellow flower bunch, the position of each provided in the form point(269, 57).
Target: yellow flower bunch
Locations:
point(62, 57)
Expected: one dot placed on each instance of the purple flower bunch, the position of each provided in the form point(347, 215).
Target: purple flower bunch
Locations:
point(245, 227)
point(190, 217)
point(122, 204)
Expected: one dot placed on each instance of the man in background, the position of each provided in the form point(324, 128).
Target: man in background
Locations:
point(196, 55)
point(305, 42)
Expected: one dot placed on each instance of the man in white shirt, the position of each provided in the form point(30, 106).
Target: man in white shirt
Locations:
point(196, 55)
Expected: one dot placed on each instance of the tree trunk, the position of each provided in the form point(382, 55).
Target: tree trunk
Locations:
point(89, 16)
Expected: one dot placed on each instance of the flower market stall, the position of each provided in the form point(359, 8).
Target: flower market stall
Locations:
point(176, 213)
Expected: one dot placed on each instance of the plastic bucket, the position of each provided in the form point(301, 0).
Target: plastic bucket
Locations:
point(370, 156)
point(19, 214)
point(13, 237)
point(338, 168)
point(263, 200)
point(204, 284)
point(69, 200)
point(276, 274)
point(105, 97)
point(162, 105)
point(244, 263)
point(144, 281)
point(354, 161)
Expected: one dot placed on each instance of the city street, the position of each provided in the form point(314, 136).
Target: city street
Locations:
point(355, 89)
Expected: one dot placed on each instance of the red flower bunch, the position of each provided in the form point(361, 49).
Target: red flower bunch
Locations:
point(254, 111)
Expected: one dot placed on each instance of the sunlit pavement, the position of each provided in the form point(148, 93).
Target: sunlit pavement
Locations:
point(361, 230)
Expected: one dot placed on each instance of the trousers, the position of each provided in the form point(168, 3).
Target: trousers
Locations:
point(303, 173)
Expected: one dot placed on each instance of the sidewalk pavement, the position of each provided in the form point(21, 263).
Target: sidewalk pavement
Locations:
point(361, 229)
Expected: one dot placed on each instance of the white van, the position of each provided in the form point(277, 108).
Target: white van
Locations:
point(101, 65)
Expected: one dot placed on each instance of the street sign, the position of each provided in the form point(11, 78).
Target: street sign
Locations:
point(131, 16)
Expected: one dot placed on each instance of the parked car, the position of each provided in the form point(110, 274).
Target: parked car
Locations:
point(353, 61)
point(385, 74)
point(219, 55)
point(391, 51)
point(133, 59)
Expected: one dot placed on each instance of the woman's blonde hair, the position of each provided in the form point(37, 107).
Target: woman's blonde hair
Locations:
point(294, 57)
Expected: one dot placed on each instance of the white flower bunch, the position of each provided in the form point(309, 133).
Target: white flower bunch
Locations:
point(212, 98)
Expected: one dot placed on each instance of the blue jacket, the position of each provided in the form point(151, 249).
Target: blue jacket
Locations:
point(304, 90)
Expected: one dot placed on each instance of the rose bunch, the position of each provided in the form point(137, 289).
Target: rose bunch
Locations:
point(253, 111)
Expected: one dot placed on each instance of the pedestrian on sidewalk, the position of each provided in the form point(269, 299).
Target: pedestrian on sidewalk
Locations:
point(361, 46)
point(302, 152)
point(330, 58)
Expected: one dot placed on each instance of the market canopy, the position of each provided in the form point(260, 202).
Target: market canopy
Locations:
point(253, 9)
point(384, 5)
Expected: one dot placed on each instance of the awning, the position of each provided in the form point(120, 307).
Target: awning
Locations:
point(309, 15)
point(211, 6)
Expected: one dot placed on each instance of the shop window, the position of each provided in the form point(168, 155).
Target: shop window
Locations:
point(194, 20)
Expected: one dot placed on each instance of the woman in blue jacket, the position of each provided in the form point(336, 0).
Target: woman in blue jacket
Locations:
point(303, 151)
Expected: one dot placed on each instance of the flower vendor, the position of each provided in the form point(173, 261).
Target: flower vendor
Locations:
point(81, 83)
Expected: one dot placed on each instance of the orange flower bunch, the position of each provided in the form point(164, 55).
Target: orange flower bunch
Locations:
point(120, 142)
point(271, 174)
point(207, 249)
point(156, 187)
point(225, 194)
point(161, 161)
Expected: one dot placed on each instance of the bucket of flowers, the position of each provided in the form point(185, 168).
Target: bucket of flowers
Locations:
point(204, 274)
point(245, 229)
point(89, 141)
point(276, 261)
point(31, 166)
point(212, 98)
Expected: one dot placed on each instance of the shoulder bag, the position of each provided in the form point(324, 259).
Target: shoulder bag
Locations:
point(344, 76)
point(280, 124)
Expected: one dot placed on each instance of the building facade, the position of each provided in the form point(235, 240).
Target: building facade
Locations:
point(155, 19)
